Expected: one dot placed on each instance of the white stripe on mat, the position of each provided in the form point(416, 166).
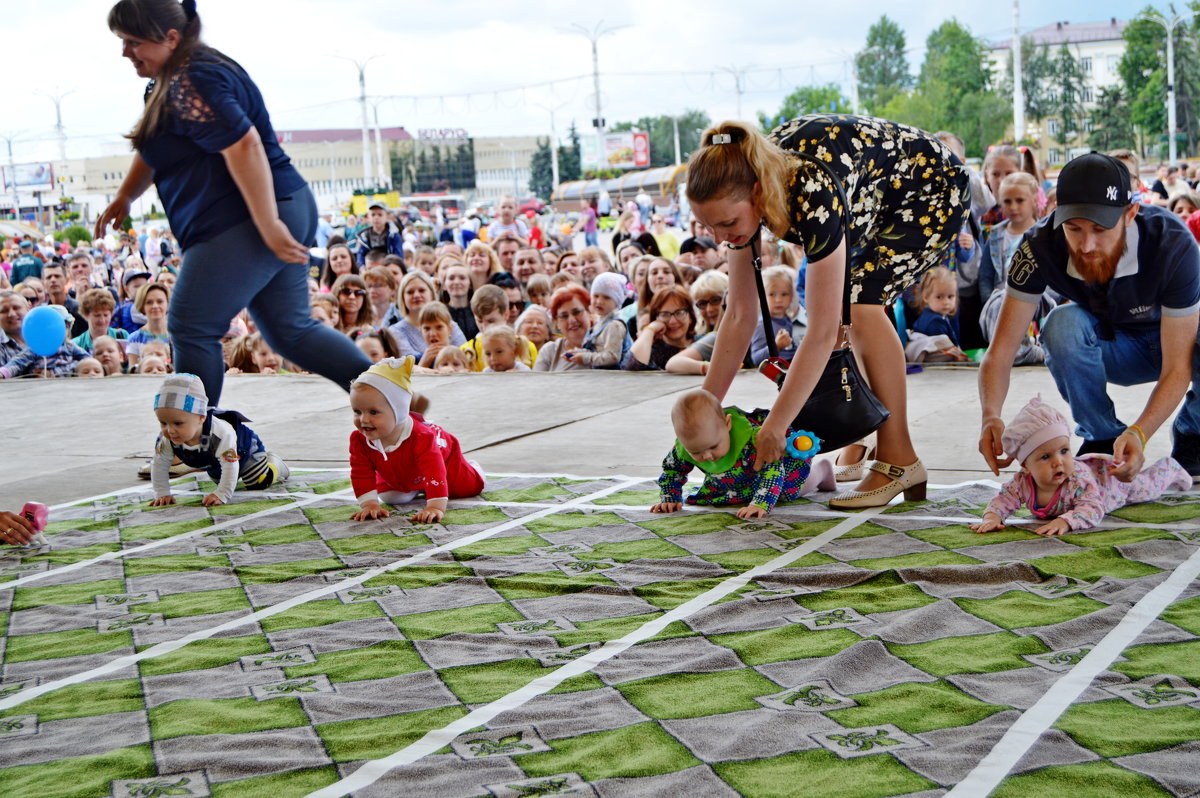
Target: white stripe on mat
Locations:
point(1034, 722)
point(303, 500)
point(375, 769)
point(334, 587)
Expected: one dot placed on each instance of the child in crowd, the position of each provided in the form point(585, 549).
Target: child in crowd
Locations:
point(153, 364)
point(539, 290)
point(159, 349)
point(607, 342)
point(452, 360)
point(489, 305)
point(325, 309)
point(89, 367)
point(152, 301)
point(501, 349)
point(210, 438)
point(436, 326)
point(1018, 194)
point(1075, 492)
point(61, 364)
point(780, 283)
point(720, 442)
point(110, 354)
point(934, 336)
point(1001, 161)
point(376, 345)
point(395, 454)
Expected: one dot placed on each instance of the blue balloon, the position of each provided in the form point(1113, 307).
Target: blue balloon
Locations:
point(44, 331)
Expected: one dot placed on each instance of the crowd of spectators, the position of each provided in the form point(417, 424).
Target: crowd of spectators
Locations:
point(530, 292)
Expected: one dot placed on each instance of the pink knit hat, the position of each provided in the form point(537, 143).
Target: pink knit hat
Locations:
point(1034, 425)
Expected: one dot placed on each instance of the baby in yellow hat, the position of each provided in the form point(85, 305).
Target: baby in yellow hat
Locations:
point(396, 454)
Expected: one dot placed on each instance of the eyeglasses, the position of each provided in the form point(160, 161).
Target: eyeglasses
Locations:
point(716, 300)
point(352, 292)
point(574, 314)
point(667, 315)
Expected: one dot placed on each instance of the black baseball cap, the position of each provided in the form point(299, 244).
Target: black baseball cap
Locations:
point(699, 242)
point(1095, 187)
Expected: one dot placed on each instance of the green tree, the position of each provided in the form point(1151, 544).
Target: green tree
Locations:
point(1067, 95)
point(569, 166)
point(882, 66)
point(1037, 70)
point(541, 173)
point(1112, 127)
point(807, 100)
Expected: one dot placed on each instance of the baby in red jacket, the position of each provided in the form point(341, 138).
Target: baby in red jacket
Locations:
point(395, 454)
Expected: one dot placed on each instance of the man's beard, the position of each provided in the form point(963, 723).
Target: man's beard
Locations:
point(1100, 267)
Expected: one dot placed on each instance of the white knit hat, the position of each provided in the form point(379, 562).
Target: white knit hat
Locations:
point(392, 377)
point(182, 392)
point(611, 285)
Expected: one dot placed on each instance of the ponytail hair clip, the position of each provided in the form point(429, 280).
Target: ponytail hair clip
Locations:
point(722, 138)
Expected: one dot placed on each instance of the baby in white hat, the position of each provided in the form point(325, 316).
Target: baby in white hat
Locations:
point(1070, 494)
point(395, 454)
point(210, 438)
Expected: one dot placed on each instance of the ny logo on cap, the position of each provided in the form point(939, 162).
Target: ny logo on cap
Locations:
point(1111, 193)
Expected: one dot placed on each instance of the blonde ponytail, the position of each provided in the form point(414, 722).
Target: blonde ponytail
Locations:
point(731, 170)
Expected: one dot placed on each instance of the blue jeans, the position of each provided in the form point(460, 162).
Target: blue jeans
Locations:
point(1083, 364)
point(591, 239)
point(236, 269)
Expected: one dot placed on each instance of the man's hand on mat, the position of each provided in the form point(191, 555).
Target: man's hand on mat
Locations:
point(990, 523)
point(1056, 527)
point(212, 500)
point(990, 446)
point(15, 528)
point(769, 445)
point(162, 501)
point(430, 515)
point(751, 511)
point(369, 512)
point(666, 507)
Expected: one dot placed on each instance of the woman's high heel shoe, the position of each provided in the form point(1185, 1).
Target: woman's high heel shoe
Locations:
point(911, 480)
point(853, 472)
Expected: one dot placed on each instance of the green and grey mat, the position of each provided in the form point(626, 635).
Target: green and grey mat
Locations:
point(556, 638)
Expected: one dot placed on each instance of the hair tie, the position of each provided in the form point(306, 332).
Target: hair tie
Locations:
point(189, 9)
point(722, 138)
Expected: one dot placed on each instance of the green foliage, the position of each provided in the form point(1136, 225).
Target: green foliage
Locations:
point(1112, 126)
point(74, 234)
point(569, 162)
point(882, 65)
point(541, 173)
point(1037, 69)
point(807, 100)
point(1067, 101)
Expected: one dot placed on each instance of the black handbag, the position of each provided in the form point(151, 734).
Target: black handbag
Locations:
point(841, 408)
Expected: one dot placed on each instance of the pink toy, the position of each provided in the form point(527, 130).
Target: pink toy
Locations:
point(37, 514)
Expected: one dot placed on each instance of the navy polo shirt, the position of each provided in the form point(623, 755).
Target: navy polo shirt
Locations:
point(1159, 274)
point(212, 104)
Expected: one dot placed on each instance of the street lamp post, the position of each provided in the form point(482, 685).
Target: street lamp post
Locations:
point(1169, 25)
point(362, 99)
point(593, 36)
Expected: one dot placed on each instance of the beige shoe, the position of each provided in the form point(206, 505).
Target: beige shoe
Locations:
point(911, 480)
point(853, 472)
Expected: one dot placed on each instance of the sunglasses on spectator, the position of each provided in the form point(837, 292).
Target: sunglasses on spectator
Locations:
point(352, 292)
point(667, 315)
point(576, 313)
point(716, 300)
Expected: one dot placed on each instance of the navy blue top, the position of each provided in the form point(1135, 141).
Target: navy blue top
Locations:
point(1158, 275)
point(212, 104)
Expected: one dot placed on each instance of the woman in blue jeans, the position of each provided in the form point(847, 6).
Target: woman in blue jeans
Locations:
point(237, 206)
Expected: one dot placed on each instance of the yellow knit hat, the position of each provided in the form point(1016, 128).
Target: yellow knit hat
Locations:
point(392, 377)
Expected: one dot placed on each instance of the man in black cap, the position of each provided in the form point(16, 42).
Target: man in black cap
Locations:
point(703, 251)
point(1132, 275)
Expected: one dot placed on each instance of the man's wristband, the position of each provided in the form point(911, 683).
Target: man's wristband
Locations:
point(1136, 430)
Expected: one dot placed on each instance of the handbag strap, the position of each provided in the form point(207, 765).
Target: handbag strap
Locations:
point(757, 259)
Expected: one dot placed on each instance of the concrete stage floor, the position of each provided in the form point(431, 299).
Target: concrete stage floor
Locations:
point(64, 439)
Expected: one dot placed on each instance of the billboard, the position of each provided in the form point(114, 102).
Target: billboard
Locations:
point(621, 151)
point(29, 177)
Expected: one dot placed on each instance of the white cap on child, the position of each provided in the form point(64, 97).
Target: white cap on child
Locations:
point(392, 377)
point(182, 392)
point(1037, 423)
point(611, 285)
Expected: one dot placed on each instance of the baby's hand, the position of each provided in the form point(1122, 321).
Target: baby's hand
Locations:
point(751, 511)
point(966, 240)
point(1058, 526)
point(666, 507)
point(212, 500)
point(369, 512)
point(430, 515)
point(990, 523)
point(783, 339)
point(162, 501)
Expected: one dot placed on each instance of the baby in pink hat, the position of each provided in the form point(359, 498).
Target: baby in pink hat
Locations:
point(1074, 493)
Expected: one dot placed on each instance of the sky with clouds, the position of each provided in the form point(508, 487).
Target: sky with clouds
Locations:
point(491, 68)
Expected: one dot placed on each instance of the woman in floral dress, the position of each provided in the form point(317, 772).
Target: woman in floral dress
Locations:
point(908, 197)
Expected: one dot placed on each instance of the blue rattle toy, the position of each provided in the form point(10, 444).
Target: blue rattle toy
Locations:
point(803, 445)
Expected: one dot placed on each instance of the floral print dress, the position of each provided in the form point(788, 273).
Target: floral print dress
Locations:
point(908, 195)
